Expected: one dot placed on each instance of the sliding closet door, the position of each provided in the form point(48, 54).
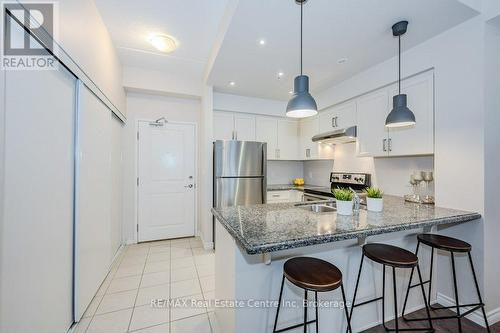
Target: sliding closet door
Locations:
point(37, 228)
point(93, 227)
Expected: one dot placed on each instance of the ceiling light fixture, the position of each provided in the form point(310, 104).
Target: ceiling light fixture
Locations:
point(163, 43)
point(262, 42)
point(302, 104)
point(232, 83)
point(280, 75)
point(400, 115)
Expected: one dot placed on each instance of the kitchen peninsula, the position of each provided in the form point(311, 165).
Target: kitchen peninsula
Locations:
point(254, 241)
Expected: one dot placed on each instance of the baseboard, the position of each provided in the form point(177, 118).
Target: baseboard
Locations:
point(206, 245)
point(130, 242)
point(476, 316)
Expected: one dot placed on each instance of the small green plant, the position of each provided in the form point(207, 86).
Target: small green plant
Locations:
point(374, 192)
point(342, 194)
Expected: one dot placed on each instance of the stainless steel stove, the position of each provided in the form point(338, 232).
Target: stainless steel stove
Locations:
point(357, 181)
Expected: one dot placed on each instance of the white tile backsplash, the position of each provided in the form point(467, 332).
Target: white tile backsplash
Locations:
point(283, 172)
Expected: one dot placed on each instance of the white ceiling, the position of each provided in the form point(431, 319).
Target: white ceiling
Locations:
point(359, 30)
point(194, 23)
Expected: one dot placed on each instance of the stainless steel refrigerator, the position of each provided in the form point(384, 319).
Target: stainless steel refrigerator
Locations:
point(240, 169)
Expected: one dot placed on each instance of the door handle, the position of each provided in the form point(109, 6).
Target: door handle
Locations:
point(189, 186)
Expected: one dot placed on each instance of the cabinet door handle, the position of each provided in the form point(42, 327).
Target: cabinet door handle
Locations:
point(389, 144)
point(336, 124)
point(308, 152)
point(277, 153)
point(333, 122)
point(384, 144)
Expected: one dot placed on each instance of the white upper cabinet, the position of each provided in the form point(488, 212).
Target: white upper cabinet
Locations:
point(223, 125)
point(266, 131)
point(309, 127)
point(418, 139)
point(244, 127)
point(372, 109)
point(288, 139)
point(338, 117)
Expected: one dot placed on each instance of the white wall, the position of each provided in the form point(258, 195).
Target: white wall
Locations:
point(83, 35)
point(169, 83)
point(147, 107)
point(283, 172)
point(492, 165)
point(457, 58)
point(238, 103)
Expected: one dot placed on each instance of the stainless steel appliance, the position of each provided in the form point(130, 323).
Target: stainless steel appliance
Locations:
point(357, 181)
point(239, 173)
point(344, 135)
point(240, 169)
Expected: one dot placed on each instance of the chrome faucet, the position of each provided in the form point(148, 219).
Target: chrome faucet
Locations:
point(356, 200)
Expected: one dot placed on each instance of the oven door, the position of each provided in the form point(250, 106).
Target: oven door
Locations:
point(314, 197)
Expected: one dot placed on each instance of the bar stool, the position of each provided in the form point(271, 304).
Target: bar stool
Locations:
point(451, 245)
point(394, 257)
point(311, 274)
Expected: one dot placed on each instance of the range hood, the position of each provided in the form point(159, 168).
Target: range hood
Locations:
point(344, 135)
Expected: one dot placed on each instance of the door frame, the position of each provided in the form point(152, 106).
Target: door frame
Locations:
point(136, 172)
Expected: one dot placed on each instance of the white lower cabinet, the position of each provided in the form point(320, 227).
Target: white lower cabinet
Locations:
point(284, 196)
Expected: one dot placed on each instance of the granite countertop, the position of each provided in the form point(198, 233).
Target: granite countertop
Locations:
point(273, 227)
point(285, 187)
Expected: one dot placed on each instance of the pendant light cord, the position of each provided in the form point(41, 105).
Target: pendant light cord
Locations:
point(399, 60)
point(301, 15)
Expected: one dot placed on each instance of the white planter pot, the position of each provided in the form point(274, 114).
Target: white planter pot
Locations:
point(375, 204)
point(344, 207)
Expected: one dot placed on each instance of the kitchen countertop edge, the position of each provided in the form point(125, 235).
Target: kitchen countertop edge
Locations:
point(317, 240)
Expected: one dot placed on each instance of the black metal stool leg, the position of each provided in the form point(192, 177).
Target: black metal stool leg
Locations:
point(349, 329)
point(395, 298)
point(317, 321)
point(409, 283)
point(279, 304)
point(305, 311)
point(456, 293)
point(383, 299)
point(479, 293)
point(425, 300)
point(430, 280)
point(356, 287)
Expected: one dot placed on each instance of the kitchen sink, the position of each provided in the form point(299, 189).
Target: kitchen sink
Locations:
point(318, 208)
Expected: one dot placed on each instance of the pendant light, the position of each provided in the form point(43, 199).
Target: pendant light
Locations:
point(400, 115)
point(302, 104)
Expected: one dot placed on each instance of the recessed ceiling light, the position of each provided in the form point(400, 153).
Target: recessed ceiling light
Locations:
point(262, 42)
point(232, 83)
point(280, 75)
point(163, 43)
point(290, 92)
point(342, 61)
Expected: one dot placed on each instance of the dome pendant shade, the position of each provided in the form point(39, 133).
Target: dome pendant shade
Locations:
point(302, 104)
point(400, 114)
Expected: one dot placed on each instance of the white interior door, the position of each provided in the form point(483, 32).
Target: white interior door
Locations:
point(166, 184)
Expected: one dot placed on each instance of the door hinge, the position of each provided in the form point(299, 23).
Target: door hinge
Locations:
point(137, 181)
point(137, 135)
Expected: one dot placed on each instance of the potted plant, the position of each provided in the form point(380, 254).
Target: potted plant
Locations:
point(374, 200)
point(344, 200)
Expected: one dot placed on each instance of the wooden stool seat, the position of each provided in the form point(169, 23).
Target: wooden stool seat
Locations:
point(312, 274)
point(444, 243)
point(390, 255)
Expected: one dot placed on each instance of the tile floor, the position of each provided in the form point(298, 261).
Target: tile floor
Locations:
point(176, 270)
